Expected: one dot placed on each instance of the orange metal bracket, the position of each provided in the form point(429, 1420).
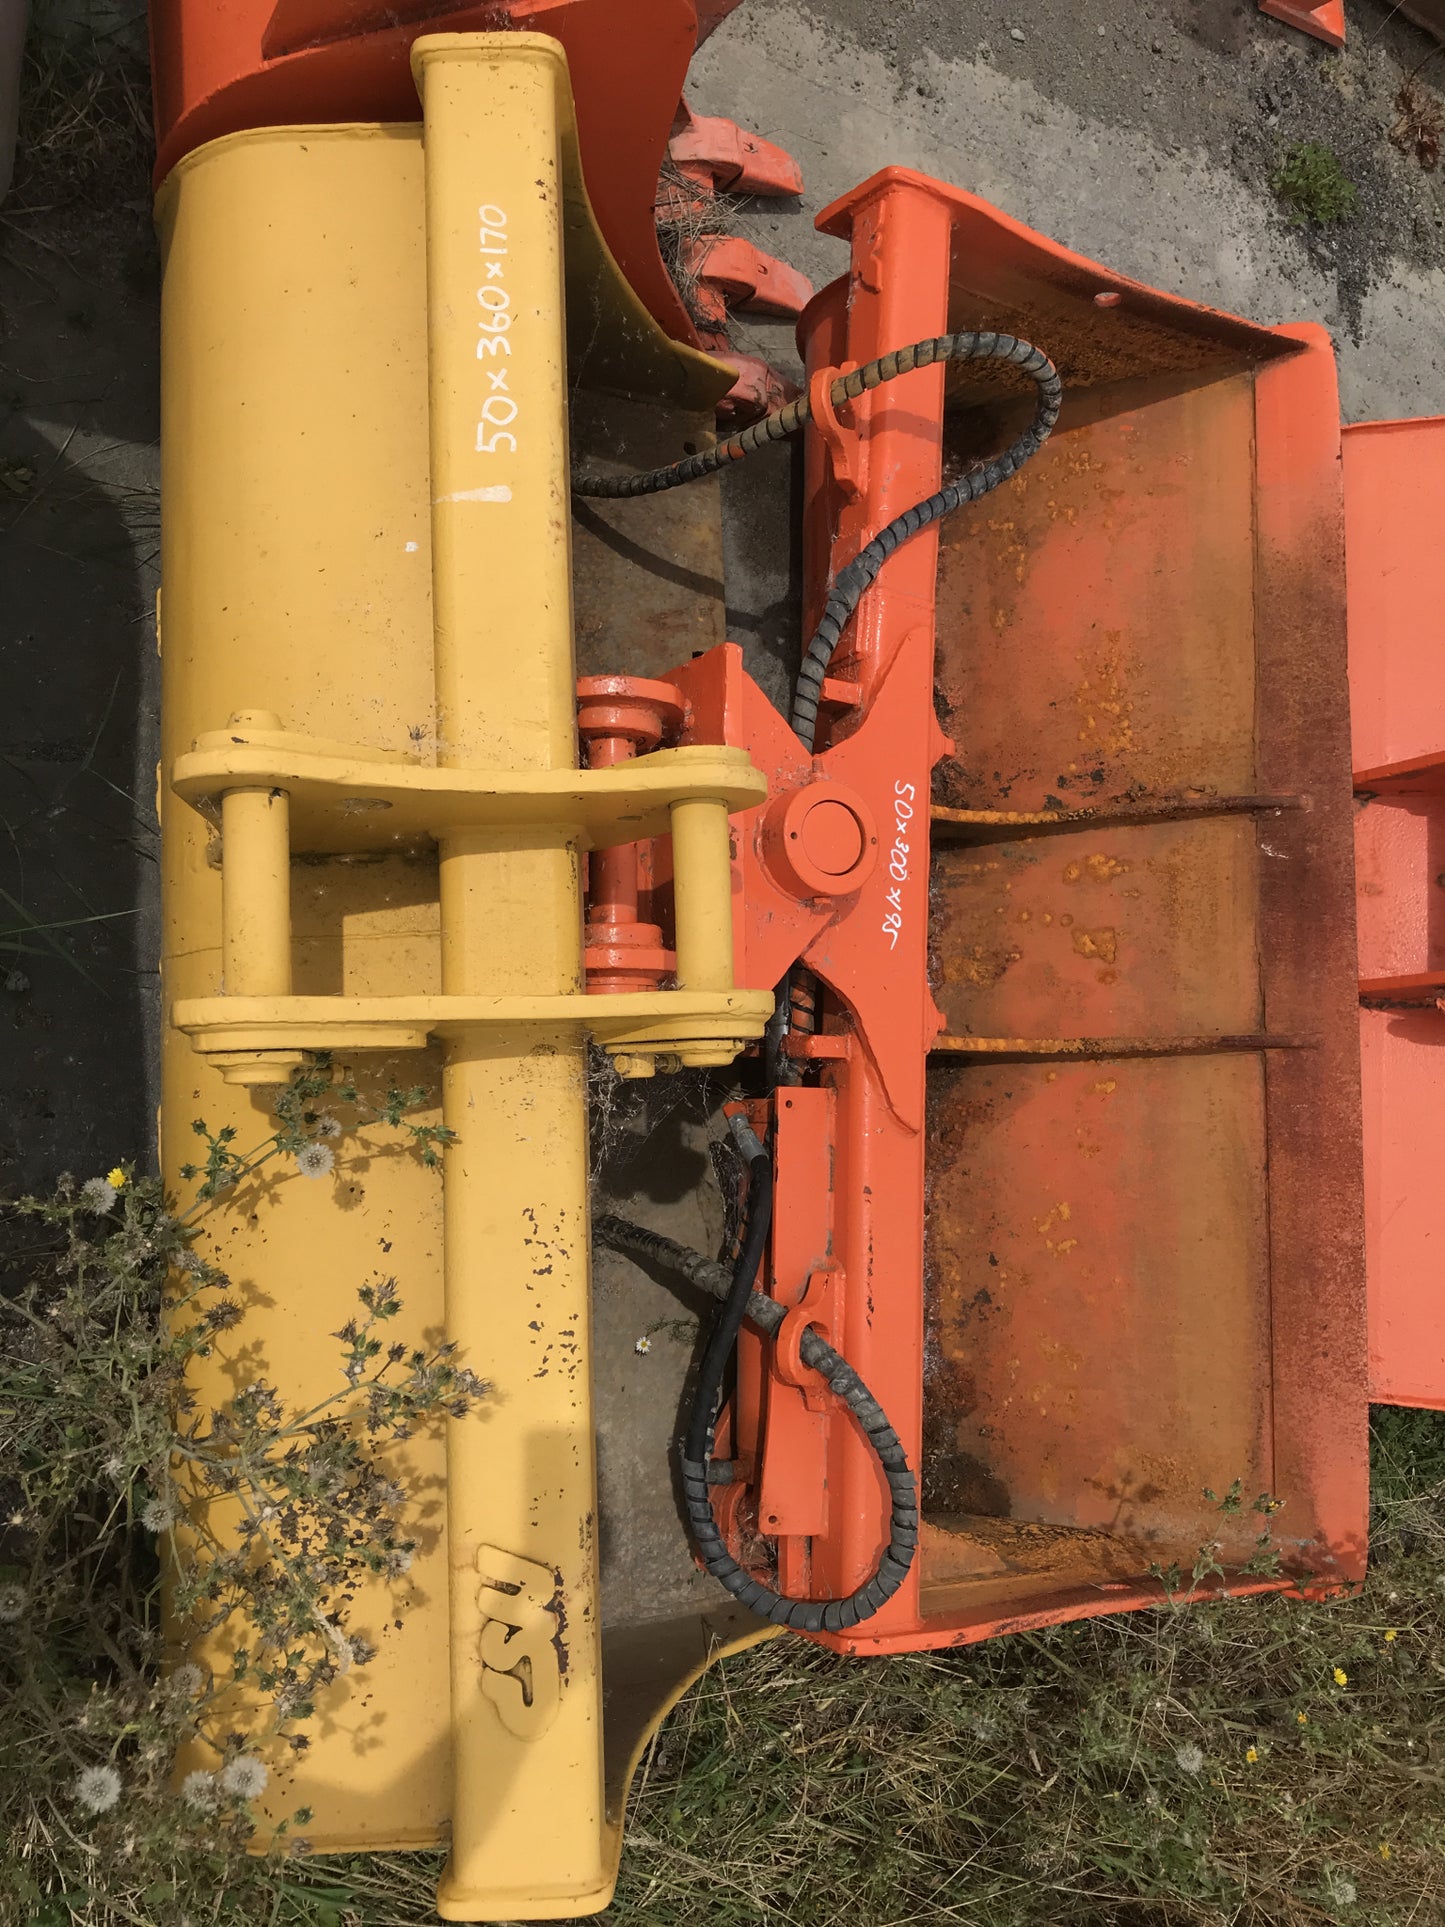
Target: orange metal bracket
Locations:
point(843, 445)
point(1321, 19)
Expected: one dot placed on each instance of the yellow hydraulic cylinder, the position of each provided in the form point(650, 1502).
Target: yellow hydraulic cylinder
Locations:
point(520, 1498)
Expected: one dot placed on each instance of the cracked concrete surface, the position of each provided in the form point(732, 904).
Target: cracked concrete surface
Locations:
point(1164, 177)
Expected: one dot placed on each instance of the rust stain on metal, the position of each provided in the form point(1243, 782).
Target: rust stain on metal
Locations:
point(1093, 1364)
point(1181, 1046)
point(1103, 943)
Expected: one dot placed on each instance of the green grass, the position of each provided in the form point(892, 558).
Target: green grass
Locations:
point(1313, 185)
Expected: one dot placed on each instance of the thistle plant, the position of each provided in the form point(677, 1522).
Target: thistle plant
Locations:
point(305, 1122)
point(258, 1521)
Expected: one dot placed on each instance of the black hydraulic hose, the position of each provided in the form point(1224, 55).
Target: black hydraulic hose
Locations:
point(850, 583)
point(723, 1338)
point(787, 421)
point(804, 1615)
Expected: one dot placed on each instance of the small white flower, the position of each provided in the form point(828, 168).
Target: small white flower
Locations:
point(98, 1194)
point(13, 1601)
point(1190, 1759)
point(98, 1789)
point(114, 1468)
point(643, 1345)
point(198, 1790)
point(327, 1125)
point(187, 1681)
point(315, 1160)
point(158, 1515)
point(244, 1777)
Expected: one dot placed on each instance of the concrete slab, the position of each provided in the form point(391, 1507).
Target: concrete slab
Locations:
point(1143, 136)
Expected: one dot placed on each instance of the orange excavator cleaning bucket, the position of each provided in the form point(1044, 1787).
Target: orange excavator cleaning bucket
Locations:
point(1068, 1160)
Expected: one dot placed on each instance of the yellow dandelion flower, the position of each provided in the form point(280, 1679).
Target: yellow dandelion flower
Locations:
point(1251, 1754)
point(116, 1177)
point(1342, 1678)
point(1384, 1849)
point(1392, 1634)
point(1302, 1719)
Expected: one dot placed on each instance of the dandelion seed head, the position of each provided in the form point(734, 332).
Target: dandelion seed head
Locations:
point(97, 1789)
point(315, 1160)
point(198, 1790)
point(327, 1125)
point(187, 1680)
point(98, 1194)
point(1189, 1758)
point(13, 1602)
point(244, 1777)
point(158, 1515)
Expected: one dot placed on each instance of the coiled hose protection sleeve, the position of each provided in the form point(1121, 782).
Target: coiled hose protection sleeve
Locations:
point(849, 585)
point(851, 582)
point(804, 1615)
point(787, 421)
